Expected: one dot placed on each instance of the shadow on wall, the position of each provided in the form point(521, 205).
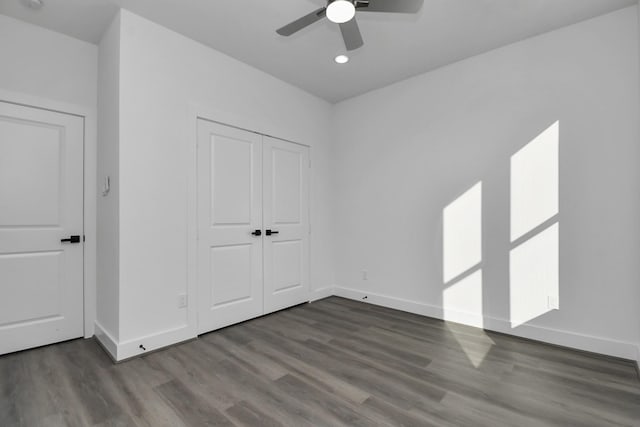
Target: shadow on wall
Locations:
point(534, 245)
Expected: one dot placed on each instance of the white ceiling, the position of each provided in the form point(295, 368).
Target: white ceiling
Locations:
point(396, 46)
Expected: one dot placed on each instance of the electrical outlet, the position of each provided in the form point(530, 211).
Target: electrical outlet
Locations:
point(552, 303)
point(182, 300)
point(365, 275)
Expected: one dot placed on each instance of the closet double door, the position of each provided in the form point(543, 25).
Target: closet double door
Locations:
point(253, 225)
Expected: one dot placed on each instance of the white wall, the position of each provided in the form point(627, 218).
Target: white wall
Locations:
point(108, 303)
point(49, 70)
point(402, 154)
point(405, 152)
point(46, 64)
point(165, 79)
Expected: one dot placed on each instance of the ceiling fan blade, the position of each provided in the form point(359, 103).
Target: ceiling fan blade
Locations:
point(394, 6)
point(299, 24)
point(351, 34)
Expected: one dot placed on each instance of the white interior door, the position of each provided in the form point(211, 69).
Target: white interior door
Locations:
point(229, 211)
point(286, 223)
point(41, 202)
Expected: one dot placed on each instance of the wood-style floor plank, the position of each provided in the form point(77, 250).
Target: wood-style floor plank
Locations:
point(334, 362)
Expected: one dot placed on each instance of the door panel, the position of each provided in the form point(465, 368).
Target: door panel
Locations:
point(26, 275)
point(286, 211)
point(41, 202)
point(287, 264)
point(231, 181)
point(36, 201)
point(286, 186)
point(229, 209)
point(231, 274)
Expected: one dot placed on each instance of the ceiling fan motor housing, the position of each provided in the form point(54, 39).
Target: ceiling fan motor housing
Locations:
point(356, 3)
point(342, 12)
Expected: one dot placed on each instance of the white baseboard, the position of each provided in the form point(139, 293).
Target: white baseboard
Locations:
point(590, 343)
point(131, 348)
point(106, 340)
point(120, 351)
point(390, 302)
point(620, 349)
point(625, 350)
point(318, 294)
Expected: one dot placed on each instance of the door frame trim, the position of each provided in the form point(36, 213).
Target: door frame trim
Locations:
point(258, 125)
point(88, 114)
point(251, 131)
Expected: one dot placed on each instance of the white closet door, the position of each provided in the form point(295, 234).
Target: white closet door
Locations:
point(286, 223)
point(41, 193)
point(229, 211)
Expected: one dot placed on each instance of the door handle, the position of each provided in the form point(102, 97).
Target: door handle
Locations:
point(257, 233)
point(270, 232)
point(71, 239)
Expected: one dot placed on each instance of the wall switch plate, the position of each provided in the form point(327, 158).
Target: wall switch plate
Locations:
point(365, 275)
point(182, 300)
point(553, 303)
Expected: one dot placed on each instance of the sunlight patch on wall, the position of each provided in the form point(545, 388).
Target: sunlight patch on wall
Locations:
point(462, 273)
point(534, 182)
point(462, 233)
point(534, 262)
point(534, 277)
point(462, 301)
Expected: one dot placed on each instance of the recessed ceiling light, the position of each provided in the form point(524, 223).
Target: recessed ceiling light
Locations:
point(341, 11)
point(342, 59)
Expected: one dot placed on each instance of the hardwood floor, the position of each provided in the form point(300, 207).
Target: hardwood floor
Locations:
point(333, 362)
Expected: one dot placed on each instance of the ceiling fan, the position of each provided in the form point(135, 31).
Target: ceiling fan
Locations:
point(342, 12)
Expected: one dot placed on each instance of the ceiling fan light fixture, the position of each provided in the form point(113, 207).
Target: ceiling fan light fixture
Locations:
point(341, 11)
point(341, 59)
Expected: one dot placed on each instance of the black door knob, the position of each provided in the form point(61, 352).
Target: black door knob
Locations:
point(71, 239)
point(270, 232)
point(257, 233)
